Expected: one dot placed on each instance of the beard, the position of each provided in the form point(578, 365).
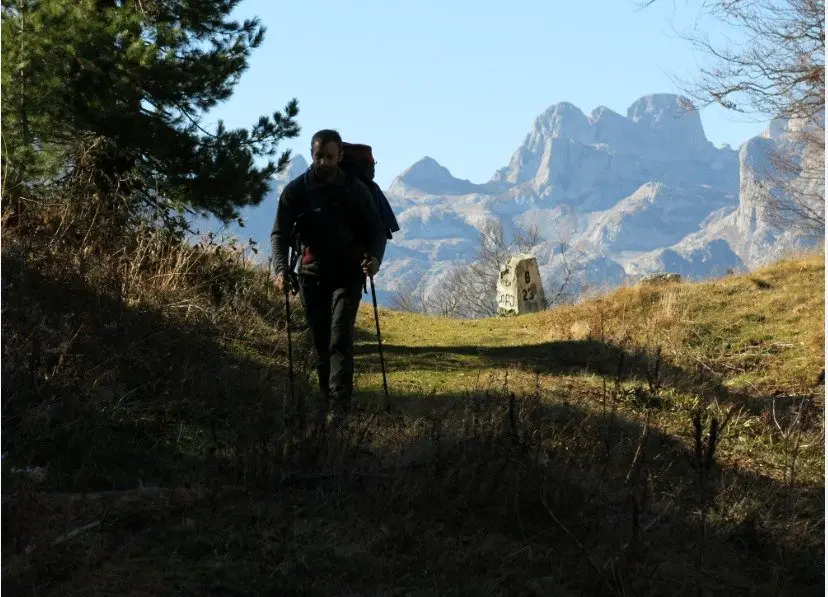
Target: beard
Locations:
point(325, 172)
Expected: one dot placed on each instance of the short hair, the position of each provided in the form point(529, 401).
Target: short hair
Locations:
point(325, 136)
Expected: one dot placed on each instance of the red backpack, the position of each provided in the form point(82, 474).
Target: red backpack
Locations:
point(358, 159)
point(361, 157)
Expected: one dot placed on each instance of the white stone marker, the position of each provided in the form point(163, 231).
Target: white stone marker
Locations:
point(519, 287)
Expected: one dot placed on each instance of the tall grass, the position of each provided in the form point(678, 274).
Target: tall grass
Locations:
point(571, 452)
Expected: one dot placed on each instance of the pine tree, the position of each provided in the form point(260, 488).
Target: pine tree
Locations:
point(128, 83)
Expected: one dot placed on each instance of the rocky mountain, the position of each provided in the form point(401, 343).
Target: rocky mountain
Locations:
point(613, 197)
point(747, 229)
point(427, 177)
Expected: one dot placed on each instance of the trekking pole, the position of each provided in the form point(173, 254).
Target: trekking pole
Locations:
point(379, 342)
point(290, 344)
point(288, 287)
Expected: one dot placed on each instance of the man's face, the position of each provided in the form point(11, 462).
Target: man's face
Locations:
point(326, 159)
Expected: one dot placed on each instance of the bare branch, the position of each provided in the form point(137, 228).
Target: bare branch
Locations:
point(410, 296)
point(470, 290)
point(772, 65)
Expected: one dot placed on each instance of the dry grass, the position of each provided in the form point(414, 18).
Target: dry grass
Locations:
point(545, 454)
point(763, 332)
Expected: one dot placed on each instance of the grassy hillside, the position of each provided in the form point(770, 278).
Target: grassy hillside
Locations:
point(563, 453)
point(746, 341)
point(761, 332)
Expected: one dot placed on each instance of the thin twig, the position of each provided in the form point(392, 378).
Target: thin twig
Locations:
point(76, 532)
point(127, 495)
point(70, 535)
point(580, 545)
point(621, 552)
point(333, 475)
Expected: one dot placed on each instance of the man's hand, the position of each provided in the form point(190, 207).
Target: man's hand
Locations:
point(279, 282)
point(370, 266)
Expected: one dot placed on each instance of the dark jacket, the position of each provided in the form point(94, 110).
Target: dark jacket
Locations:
point(337, 224)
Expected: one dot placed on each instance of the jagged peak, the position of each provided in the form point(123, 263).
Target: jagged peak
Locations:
point(559, 109)
point(426, 164)
point(429, 176)
point(655, 107)
point(560, 120)
point(297, 165)
point(426, 169)
point(603, 112)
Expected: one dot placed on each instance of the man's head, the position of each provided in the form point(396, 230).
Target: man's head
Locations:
point(326, 153)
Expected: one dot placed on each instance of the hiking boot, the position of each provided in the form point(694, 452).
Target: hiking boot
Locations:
point(340, 404)
point(338, 411)
point(335, 419)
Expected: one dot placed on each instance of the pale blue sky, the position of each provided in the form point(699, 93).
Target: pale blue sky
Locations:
point(459, 80)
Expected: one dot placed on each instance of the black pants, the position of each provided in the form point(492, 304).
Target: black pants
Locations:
point(331, 308)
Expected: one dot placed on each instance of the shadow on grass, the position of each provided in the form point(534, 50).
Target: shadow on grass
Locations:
point(565, 357)
point(110, 395)
point(474, 497)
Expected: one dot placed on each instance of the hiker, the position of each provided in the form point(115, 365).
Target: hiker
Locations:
point(330, 219)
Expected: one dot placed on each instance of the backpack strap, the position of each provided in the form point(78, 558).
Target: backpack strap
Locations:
point(350, 208)
point(294, 241)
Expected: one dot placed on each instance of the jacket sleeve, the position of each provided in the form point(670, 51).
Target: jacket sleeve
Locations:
point(374, 239)
point(389, 220)
point(281, 231)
